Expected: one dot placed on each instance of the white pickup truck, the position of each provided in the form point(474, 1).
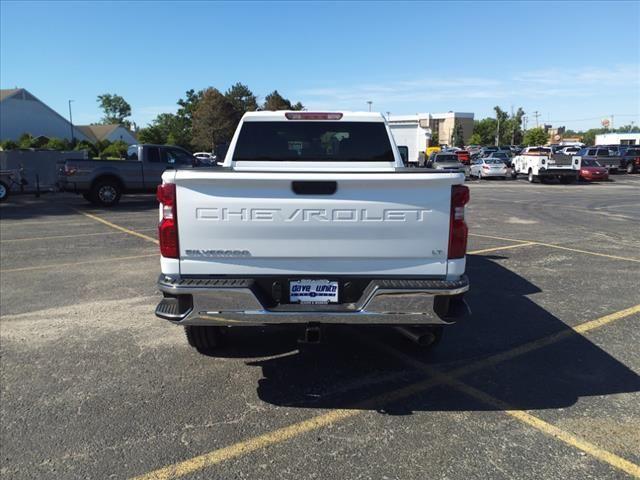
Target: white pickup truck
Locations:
point(312, 220)
point(540, 163)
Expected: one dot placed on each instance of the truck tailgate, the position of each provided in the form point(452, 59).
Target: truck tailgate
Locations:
point(253, 223)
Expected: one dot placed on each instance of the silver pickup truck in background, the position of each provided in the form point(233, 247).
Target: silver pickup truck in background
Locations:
point(103, 182)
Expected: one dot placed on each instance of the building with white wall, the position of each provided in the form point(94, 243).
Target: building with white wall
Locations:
point(441, 124)
point(618, 139)
point(21, 112)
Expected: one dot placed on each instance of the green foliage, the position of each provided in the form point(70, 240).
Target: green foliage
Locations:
point(275, 101)
point(58, 144)
point(115, 109)
point(535, 136)
point(9, 145)
point(475, 139)
point(458, 135)
point(117, 149)
point(435, 139)
point(214, 120)
point(167, 128)
point(25, 140)
point(91, 149)
point(485, 129)
point(242, 99)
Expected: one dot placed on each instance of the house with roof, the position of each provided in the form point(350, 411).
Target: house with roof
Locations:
point(22, 112)
point(112, 133)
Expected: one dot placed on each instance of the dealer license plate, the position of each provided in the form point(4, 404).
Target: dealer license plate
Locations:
point(313, 291)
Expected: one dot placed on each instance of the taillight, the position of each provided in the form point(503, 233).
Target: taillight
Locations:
point(168, 228)
point(69, 170)
point(458, 230)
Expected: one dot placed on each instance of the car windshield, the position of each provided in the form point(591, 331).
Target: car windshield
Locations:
point(317, 141)
point(590, 163)
point(500, 155)
point(493, 161)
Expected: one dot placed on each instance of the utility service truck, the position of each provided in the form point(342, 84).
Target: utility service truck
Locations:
point(312, 220)
point(539, 164)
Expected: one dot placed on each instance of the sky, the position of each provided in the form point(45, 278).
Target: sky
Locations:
point(575, 63)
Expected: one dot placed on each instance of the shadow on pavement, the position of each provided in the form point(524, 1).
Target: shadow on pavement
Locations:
point(344, 371)
point(59, 205)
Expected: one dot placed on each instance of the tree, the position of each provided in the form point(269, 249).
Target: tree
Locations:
point(275, 101)
point(91, 149)
point(486, 130)
point(213, 120)
point(458, 135)
point(502, 125)
point(9, 145)
point(435, 139)
point(242, 99)
point(535, 136)
point(25, 140)
point(115, 109)
point(475, 139)
point(117, 149)
point(167, 128)
point(58, 144)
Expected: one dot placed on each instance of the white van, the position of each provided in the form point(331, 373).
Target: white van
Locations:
point(413, 132)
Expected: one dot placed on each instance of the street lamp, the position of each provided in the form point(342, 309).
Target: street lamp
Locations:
point(370, 103)
point(73, 140)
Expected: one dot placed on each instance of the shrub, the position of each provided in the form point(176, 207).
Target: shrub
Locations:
point(117, 149)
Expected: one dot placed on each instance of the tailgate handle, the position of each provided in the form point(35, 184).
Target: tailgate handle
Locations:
point(314, 188)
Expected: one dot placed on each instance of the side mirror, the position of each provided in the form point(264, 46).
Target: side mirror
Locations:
point(404, 154)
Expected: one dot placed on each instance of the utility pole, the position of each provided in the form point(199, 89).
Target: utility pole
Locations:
point(370, 103)
point(498, 130)
point(73, 140)
point(388, 114)
point(612, 122)
point(536, 114)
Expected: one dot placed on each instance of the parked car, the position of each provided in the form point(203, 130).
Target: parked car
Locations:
point(104, 181)
point(205, 158)
point(312, 221)
point(504, 157)
point(630, 160)
point(539, 163)
point(591, 170)
point(445, 161)
point(571, 150)
point(602, 155)
point(488, 167)
point(464, 157)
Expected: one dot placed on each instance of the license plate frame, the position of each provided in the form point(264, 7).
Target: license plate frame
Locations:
point(314, 291)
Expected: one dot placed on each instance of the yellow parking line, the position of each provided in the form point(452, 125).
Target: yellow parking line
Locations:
point(560, 247)
point(117, 227)
point(495, 249)
point(54, 237)
point(73, 264)
point(451, 380)
point(215, 457)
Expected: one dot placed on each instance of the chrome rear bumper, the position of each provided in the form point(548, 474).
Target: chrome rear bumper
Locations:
point(200, 301)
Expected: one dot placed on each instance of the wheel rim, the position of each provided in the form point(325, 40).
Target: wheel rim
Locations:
point(530, 176)
point(107, 194)
point(3, 191)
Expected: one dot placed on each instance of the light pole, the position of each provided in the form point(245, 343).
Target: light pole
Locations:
point(369, 102)
point(73, 139)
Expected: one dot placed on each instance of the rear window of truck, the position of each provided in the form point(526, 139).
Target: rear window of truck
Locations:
point(313, 141)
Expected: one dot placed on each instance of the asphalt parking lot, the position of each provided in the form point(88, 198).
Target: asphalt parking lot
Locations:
point(540, 382)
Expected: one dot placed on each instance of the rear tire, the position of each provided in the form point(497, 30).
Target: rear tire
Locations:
point(532, 178)
point(631, 168)
point(205, 340)
point(106, 193)
point(4, 191)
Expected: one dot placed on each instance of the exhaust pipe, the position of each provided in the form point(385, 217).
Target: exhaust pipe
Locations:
point(420, 336)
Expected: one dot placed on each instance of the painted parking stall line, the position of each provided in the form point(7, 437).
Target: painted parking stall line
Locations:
point(281, 435)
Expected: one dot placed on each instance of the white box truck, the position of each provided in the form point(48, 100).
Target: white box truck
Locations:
point(413, 132)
